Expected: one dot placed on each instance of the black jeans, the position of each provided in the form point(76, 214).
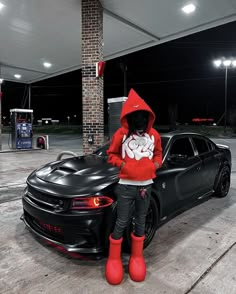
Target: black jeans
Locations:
point(127, 195)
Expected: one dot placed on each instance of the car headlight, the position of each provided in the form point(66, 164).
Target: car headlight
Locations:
point(93, 202)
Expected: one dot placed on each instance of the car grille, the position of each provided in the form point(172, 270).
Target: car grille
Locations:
point(50, 228)
point(46, 229)
point(72, 235)
point(48, 201)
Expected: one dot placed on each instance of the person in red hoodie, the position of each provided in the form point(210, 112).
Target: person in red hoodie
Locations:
point(136, 150)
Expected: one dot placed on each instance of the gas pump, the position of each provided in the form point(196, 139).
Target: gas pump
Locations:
point(114, 111)
point(21, 128)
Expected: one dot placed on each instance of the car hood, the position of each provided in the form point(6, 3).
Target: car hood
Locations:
point(78, 175)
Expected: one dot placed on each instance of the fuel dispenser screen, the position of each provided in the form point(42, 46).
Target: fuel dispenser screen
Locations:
point(21, 123)
point(24, 136)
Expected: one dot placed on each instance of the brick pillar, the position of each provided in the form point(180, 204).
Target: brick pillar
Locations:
point(92, 87)
point(0, 116)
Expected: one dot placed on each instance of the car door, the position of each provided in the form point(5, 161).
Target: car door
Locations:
point(180, 174)
point(210, 162)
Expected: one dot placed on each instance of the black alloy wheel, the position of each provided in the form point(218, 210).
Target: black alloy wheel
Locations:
point(152, 219)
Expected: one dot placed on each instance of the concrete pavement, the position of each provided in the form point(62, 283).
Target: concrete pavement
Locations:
point(193, 253)
point(16, 165)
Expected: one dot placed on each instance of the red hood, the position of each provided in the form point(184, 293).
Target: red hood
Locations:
point(135, 103)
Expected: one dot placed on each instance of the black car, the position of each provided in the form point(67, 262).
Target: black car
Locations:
point(71, 202)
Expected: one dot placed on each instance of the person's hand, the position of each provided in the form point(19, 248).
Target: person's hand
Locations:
point(157, 165)
point(122, 165)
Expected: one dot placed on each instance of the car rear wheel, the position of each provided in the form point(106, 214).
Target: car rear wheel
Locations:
point(152, 219)
point(224, 183)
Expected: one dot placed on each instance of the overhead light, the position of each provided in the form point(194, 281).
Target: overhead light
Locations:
point(234, 62)
point(1, 81)
point(189, 8)
point(227, 62)
point(47, 64)
point(1, 6)
point(224, 63)
point(17, 76)
point(217, 62)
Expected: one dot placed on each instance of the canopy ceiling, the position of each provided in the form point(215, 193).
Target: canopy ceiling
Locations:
point(37, 31)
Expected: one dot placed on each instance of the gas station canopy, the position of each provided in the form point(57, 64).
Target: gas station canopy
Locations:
point(42, 38)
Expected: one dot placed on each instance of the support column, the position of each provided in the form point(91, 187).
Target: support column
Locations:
point(92, 87)
point(0, 114)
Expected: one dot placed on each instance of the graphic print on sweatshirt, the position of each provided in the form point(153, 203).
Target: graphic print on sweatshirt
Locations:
point(138, 147)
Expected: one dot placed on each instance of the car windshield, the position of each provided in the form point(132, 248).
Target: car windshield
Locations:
point(102, 151)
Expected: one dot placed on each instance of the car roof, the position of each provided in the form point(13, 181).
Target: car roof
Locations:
point(180, 133)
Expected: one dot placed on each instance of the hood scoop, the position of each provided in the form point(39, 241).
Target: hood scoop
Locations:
point(65, 169)
point(78, 172)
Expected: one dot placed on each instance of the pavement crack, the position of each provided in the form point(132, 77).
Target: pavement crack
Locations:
point(209, 269)
point(13, 185)
point(10, 200)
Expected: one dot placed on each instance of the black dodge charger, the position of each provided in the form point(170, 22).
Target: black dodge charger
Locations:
point(71, 202)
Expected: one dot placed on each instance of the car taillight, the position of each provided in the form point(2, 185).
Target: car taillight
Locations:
point(91, 202)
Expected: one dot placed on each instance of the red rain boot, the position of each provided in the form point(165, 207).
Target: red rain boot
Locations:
point(137, 266)
point(114, 267)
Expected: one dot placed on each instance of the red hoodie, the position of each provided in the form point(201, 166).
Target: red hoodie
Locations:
point(137, 152)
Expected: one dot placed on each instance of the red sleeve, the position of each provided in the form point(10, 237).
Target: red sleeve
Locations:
point(114, 151)
point(157, 152)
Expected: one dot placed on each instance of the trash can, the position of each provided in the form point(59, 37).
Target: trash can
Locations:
point(43, 142)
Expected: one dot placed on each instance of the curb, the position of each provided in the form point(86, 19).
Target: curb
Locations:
point(19, 150)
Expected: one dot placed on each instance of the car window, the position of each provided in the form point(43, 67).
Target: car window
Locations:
point(201, 145)
point(182, 146)
point(211, 145)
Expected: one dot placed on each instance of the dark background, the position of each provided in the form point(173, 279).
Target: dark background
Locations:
point(175, 76)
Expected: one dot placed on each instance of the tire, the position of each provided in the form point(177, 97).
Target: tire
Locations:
point(224, 183)
point(152, 220)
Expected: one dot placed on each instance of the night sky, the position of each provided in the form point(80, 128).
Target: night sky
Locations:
point(178, 73)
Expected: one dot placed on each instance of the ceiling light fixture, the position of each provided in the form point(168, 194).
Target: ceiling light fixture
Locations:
point(47, 64)
point(17, 76)
point(1, 6)
point(189, 8)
